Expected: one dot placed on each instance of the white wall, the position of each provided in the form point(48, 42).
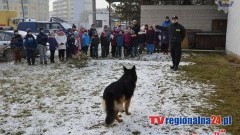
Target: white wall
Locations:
point(99, 16)
point(233, 29)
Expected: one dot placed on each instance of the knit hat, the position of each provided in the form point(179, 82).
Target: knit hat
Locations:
point(41, 29)
point(29, 30)
point(15, 31)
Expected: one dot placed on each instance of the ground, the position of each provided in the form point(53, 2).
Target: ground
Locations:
point(59, 99)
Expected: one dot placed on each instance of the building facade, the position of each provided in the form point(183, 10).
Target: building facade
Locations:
point(191, 16)
point(74, 11)
point(233, 30)
point(33, 9)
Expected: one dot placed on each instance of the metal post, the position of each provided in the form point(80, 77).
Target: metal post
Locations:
point(7, 5)
point(110, 19)
point(94, 11)
point(22, 10)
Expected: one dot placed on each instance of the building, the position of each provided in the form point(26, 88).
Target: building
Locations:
point(102, 19)
point(74, 11)
point(33, 9)
point(233, 30)
point(191, 16)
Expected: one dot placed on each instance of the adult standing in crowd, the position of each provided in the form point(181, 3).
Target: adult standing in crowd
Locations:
point(176, 35)
point(167, 22)
point(42, 40)
point(165, 35)
point(30, 45)
point(61, 40)
point(90, 34)
point(135, 27)
point(17, 45)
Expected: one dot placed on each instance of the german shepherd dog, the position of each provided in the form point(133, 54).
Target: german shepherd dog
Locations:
point(119, 93)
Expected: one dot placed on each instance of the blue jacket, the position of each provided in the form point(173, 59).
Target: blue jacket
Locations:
point(85, 40)
point(119, 40)
point(30, 42)
point(166, 23)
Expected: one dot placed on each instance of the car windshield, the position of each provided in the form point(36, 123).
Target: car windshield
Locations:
point(66, 26)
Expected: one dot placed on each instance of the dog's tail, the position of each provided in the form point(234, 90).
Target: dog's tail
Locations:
point(109, 101)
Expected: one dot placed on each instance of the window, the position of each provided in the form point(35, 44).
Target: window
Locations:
point(2, 36)
point(55, 26)
point(7, 38)
point(98, 23)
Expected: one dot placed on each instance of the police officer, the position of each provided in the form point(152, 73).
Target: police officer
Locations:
point(176, 35)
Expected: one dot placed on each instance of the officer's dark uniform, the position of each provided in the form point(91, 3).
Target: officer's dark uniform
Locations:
point(176, 35)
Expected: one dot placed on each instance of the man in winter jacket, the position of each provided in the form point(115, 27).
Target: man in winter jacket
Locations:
point(176, 35)
point(166, 22)
point(42, 40)
point(30, 45)
point(17, 45)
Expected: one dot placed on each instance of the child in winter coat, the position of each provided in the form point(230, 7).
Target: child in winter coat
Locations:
point(61, 40)
point(127, 43)
point(104, 44)
point(134, 44)
point(53, 45)
point(86, 40)
point(17, 45)
point(119, 41)
point(30, 45)
point(77, 43)
point(150, 40)
point(141, 41)
point(94, 43)
point(113, 42)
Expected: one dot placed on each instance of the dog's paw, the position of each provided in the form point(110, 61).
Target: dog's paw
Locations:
point(128, 113)
point(120, 120)
point(120, 115)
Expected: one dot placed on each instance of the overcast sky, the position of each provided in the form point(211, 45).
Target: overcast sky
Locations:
point(99, 4)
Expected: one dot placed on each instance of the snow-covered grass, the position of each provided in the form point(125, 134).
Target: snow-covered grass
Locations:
point(59, 100)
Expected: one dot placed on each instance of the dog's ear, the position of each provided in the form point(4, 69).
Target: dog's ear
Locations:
point(134, 68)
point(125, 69)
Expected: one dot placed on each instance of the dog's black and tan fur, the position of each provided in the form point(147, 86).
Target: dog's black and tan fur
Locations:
point(119, 93)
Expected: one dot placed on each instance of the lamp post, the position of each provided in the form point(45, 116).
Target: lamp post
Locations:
point(22, 10)
point(94, 11)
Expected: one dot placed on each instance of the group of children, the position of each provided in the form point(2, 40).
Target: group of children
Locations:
point(129, 42)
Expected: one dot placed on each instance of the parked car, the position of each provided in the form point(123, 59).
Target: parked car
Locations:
point(6, 52)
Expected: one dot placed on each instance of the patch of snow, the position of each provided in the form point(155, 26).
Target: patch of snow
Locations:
point(59, 100)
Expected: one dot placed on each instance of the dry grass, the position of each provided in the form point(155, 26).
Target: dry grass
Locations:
point(78, 61)
point(217, 69)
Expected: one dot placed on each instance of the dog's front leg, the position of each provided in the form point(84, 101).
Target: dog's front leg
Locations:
point(117, 118)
